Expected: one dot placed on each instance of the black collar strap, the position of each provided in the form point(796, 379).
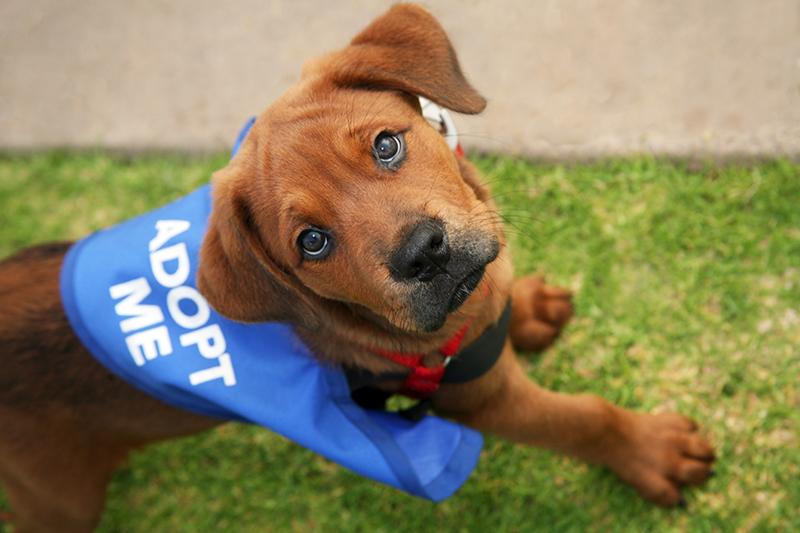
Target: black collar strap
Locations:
point(481, 354)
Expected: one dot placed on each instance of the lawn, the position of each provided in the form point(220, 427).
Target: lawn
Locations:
point(688, 298)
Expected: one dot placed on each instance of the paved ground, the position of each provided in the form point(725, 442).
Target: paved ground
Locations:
point(565, 78)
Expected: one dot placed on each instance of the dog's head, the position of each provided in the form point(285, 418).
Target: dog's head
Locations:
point(343, 194)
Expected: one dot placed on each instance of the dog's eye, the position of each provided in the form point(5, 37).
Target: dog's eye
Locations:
point(386, 146)
point(314, 243)
point(389, 149)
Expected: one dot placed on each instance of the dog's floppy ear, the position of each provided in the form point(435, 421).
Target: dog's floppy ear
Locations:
point(405, 49)
point(237, 275)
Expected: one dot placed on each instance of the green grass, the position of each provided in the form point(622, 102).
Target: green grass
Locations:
point(688, 298)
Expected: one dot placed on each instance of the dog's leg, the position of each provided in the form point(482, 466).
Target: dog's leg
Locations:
point(5, 517)
point(34, 514)
point(656, 454)
point(538, 313)
point(64, 500)
point(56, 480)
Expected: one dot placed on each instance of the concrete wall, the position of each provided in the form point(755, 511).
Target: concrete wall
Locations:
point(564, 78)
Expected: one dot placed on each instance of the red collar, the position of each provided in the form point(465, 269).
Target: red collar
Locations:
point(423, 381)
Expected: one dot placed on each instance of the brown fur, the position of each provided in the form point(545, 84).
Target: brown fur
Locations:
point(307, 161)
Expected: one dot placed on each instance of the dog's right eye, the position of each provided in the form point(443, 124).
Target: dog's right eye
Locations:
point(389, 149)
point(315, 243)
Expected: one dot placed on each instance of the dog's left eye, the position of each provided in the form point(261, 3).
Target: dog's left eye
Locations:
point(315, 243)
point(389, 149)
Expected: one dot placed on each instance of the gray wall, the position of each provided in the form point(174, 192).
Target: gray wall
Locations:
point(564, 78)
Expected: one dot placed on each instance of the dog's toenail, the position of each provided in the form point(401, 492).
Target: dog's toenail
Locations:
point(682, 503)
point(712, 473)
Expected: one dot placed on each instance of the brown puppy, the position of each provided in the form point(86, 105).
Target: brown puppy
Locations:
point(322, 158)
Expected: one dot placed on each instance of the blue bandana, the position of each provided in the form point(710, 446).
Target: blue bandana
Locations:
point(131, 296)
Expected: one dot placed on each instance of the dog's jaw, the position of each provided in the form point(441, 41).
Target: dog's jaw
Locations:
point(430, 303)
point(464, 289)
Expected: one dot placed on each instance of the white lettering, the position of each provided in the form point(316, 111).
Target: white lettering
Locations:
point(171, 268)
point(209, 340)
point(224, 371)
point(134, 292)
point(159, 259)
point(184, 320)
point(148, 344)
point(167, 229)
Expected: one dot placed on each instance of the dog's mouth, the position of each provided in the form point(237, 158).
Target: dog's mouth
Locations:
point(465, 288)
point(431, 301)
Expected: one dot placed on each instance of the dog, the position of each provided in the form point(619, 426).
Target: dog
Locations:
point(346, 216)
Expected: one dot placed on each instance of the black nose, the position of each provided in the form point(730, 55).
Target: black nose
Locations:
point(423, 254)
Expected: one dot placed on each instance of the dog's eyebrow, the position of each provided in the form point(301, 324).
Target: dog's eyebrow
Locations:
point(303, 208)
point(372, 129)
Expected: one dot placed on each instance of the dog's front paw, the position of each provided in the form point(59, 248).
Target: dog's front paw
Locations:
point(538, 313)
point(662, 454)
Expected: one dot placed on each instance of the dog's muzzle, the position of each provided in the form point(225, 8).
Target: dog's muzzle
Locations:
point(439, 270)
